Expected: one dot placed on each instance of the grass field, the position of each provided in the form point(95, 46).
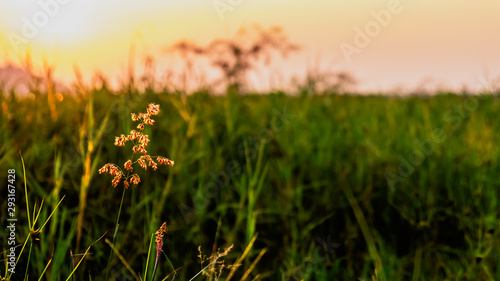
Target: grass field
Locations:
point(333, 187)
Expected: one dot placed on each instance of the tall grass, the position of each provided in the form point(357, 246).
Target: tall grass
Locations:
point(326, 184)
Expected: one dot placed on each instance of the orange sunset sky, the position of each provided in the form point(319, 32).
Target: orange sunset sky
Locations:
point(420, 43)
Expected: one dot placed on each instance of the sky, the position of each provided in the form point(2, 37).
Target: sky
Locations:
point(385, 44)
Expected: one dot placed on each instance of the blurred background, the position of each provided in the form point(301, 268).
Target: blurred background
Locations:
point(324, 140)
point(410, 45)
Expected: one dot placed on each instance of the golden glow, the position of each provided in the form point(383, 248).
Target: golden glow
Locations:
point(451, 41)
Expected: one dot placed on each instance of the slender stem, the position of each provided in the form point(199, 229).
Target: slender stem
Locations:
point(29, 257)
point(117, 224)
point(156, 263)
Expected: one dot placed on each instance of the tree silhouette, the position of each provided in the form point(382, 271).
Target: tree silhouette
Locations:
point(236, 56)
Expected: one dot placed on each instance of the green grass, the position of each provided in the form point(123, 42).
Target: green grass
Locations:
point(334, 186)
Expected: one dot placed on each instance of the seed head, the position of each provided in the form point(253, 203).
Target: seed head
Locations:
point(134, 117)
point(142, 163)
point(164, 160)
point(140, 142)
point(128, 165)
point(159, 238)
point(135, 179)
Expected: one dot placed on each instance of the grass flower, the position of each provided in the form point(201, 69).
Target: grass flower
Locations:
point(140, 141)
point(159, 238)
point(159, 243)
